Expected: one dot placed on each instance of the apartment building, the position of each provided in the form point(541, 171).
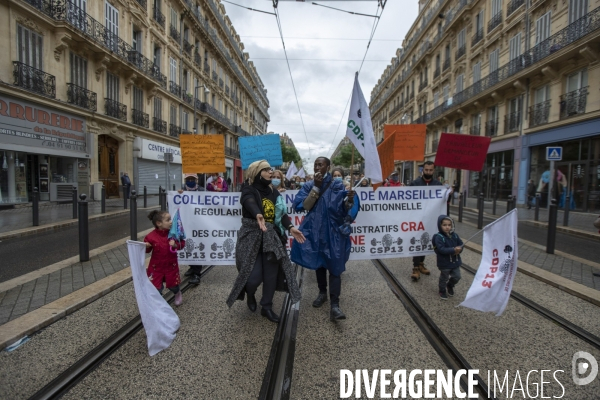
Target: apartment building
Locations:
point(523, 72)
point(92, 89)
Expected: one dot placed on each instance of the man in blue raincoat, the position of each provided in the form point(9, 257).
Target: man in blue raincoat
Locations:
point(331, 210)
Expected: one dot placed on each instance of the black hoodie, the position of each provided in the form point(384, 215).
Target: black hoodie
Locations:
point(444, 245)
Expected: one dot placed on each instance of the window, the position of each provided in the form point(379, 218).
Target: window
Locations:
point(29, 45)
point(436, 98)
point(541, 94)
point(112, 86)
point(184, 84)
point(78, 70)
point(494, 60)
point(184, 121)
point(446, 91)
point(174, 19)
point(577, 80)
point(493, 113)
point(514, 106)
point(462, 38)
point(542, 28)
point(477, 72)
point(577, 9)
point(173, 69)
point(496, 7)
point(173, 115)
point(136, 40)
point(111, 19)
point(479, 21)
point(157, 58)
point(459, 83)
point(138, 98)
point(158, 108)
point(515, 46)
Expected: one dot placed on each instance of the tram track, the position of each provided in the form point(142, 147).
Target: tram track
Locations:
point(60, 385)
point(567, 325)
point(441, 344)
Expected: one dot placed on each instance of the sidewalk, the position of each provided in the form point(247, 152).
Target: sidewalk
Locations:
point(20, 218)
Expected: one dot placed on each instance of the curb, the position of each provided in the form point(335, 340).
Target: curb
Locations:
point(52, 312)
point(54, 226)
point(576, 289)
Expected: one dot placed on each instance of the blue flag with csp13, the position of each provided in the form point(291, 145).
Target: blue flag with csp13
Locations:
point(360, 132)
point(261, 147)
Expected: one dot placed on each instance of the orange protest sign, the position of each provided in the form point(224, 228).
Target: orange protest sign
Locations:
point(410, 141)
point(202, 153)
point(386, 157)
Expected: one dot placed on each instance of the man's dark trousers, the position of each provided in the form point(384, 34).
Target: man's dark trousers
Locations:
point(335, 285)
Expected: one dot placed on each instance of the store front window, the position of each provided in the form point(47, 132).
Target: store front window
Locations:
point(13, 177)
point(496, 180)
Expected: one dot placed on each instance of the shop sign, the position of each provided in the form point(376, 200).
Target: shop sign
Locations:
point(25, 124)
point(151, 150)
point(228, 163)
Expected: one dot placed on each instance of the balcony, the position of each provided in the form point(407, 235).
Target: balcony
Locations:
point(512, 122)
point(188, 98)
point(158, 125)
point(437, 72)
point(495, 21)
point(140, 118)
point(215, 76)
point(513, 6)
point(423, 85)
point(462, 50)
point(412, 95)
point(231, 152)
point(538, 113)
point(34, 80)
point(573, 103)
point(174, 33)
point(175, 88)
point(475, 130)
point(477, 37)
point(241, 132)
point(81, 97)
point(216, 115)
point(187, 47)
point(491, 127)
point(198, 60)
point(142, 3)
point(446, 64)
point(114, 109)
point(174, 130)
point(158, 17)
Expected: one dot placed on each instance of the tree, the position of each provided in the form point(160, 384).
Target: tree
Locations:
point(290, 154)
point(344, 158)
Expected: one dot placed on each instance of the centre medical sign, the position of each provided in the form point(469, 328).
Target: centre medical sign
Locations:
point(25, 124)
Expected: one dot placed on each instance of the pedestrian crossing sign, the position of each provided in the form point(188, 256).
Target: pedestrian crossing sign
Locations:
point(553, 153)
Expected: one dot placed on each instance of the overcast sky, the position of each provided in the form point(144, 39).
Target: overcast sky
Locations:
point(315, 37)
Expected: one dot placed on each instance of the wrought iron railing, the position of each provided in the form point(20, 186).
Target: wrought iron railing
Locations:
point(216, 115)
point(114, 109)
point(174, 33)
point(174, 130)
point(512, 6)
point(475, 130)
point(512, 122)
point(538, 113)
point(34, 79)
point(423, 85)
point(231, 152)
point(198, 60)
point(142, 3)
point(437, 72)
point(462, 50)
point(81, 97)
point(188, 98)
point(491, 127)
point(158, 16)
point(175, 88)
point(446, 64)
point(412, 95)
point(187, 47)
point(159, 125)
point(477, 37)
point(575, 31)
point(573, 103)
point(495, 21)
point(241, 132)
point(140, 118)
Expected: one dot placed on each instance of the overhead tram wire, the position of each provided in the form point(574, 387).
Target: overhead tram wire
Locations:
point(373, 29)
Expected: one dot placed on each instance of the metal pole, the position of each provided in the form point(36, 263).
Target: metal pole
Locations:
point(74, 197)
point(133, 215)
point(103, 200)
point(567, 208)
point(480, 215)
point(536, 216)
point(552, 217)
point(125, 197)
point(508, 206)
point(494, 204)
point(465, 198)
point(35, 206)
point(84, 237)
point(460, 207)
point(160, 196)
point(174, 187)
point(145, 197)
point(163, 205)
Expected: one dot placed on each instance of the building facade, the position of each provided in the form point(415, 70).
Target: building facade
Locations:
point(524, 72)
point(92, 89)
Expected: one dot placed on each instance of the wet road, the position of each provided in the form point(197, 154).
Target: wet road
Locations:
point(20, 256)
point(581, 247)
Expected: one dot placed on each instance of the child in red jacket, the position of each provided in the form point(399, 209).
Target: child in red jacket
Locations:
point(163, 262)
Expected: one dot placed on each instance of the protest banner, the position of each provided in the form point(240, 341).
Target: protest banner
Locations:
point(386, 157)
point(493, 282)
point(261, 147)
point(410, 141)
point(462, 151)
point(393, 222)
point(202, 153)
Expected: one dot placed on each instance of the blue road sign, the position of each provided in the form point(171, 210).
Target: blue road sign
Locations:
point(554, 153)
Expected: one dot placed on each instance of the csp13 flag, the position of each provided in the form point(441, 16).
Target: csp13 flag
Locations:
point(493, 282)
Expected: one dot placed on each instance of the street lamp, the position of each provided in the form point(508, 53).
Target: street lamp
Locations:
point(206, 91)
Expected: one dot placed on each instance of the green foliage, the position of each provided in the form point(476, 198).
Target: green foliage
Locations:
point(344, 158)
point(291, 154)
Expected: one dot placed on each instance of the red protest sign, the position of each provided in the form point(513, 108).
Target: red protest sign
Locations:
point(462, 151)
point(386, 157)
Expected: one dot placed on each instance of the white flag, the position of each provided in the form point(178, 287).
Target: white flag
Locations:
point(292, 170)
point(360, 132)
point(159, 319)
point(493, 282)
point(301, 173)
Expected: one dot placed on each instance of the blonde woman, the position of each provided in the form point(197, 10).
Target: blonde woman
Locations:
point(278, 181)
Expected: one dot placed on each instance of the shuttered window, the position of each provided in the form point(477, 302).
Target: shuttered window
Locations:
point(541, 94)
point(460, 83)
point(112, 86)
point(479, 18)
point(111, 19)
point(173, 115)
point(158, 108)
point(436, 98)
point(494, 60)
point(542, 28)
point(173, 69)
point(515, 46)
point(577, 9)
point(446, 91)
point(138, 99)
point(29, 45)
point(78, 70)
point(462, 38)
point(477, 72)
point(496, 7)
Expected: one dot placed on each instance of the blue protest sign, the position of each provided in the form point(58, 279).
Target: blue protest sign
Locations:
point(262, 147)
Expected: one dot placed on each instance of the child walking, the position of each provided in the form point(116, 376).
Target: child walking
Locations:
point(163, 265)
point(447, 246)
